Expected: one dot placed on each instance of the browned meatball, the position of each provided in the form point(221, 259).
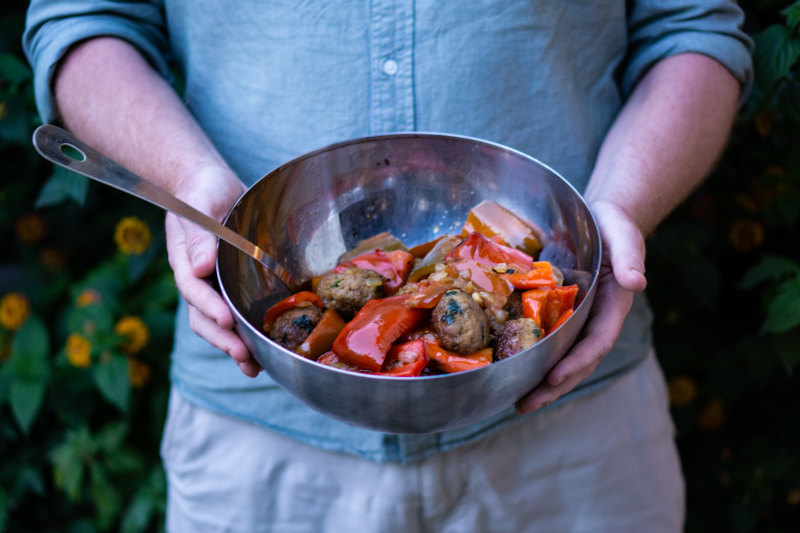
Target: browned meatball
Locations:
point(347, 292)
point(292, 327)
point(514, 304)
point(517, 335)
point(460, 323)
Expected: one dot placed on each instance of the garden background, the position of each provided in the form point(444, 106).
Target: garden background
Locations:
point(86, 298)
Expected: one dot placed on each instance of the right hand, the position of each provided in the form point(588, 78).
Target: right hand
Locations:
point(192, 256)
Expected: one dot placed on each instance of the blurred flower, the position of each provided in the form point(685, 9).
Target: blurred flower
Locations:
point(773, 171)
point(30, 228)
point(135, 332)
point(713, 415)
point(88, 297)
point(132, 236)
point(793, 497)
point(138, 372)
point(78, 350)
point(53, 258)
point(3, 110)
point(682, 391)
point(746, 235)
point(726, 454)
point(763, 122)
point(14, 310)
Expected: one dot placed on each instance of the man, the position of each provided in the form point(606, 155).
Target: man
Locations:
point(631, 101)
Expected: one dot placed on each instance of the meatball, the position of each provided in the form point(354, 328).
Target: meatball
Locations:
point(517, 335)
point(292, 327)
point(514, 304)
point(460, 323)
point(346, 292)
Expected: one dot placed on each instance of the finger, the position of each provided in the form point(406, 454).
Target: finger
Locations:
point(611, 306)
point(546, 393)
point(196, 291)
point(224, 339)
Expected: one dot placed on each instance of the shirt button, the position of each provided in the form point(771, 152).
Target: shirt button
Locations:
point(390, 67)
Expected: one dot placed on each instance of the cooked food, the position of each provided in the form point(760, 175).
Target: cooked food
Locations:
point(292, 327)
point(346, 292)
point(460, 323)
point(453, 304)
point(517, 335)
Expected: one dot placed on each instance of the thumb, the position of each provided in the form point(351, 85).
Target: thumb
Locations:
point(624, 244)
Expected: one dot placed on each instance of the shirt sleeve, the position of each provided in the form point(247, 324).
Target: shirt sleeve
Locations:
point(53, 26)
point(661, 28)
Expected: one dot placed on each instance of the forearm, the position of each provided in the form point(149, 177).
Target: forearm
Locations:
point(110, 97)
point(666, 139)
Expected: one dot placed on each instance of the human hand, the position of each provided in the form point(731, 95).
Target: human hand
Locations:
point(192, 256)
point(621, 274)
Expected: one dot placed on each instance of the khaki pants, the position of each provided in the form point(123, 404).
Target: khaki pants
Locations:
point(602, 463)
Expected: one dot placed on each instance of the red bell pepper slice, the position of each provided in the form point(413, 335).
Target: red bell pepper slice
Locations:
point(394, 266)
point(490, 253)
point(366, 339)
point(321, 338)
point(541, 275)
point(483, 277)
point(300, 299)
point(563, 318)
point(545, 305)
point(407, 359)
point(452, 362)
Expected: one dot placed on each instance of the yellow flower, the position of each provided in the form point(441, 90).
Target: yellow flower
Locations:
point(138, 372)
point(79, 350)
point(135, 332)
point(30, 228)
point(14, 310)
point(53, 258)
point(3, 110)
point(713, 416)
point(793, 497)
point(88, 297)
point(746, 235)
point(132, 236)
point(682, 391)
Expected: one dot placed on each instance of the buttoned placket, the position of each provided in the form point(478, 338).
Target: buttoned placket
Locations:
point(391, 47)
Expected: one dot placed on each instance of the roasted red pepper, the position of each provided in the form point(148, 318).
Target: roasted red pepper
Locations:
point(321, 338)
point(490, 253)
point(546, 305)
point(406, 359)
point(394, 266)
point(541, 275)
point(366, 339)
point(300, 299)
point(451, 362)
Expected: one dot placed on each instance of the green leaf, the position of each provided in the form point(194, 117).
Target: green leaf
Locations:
point(105, 497)
point(111, 436)
point(25, 399)
point(12, 69)
point(771, 267)
point(63, 185)
point(786, 346)
point(15, 124)
point(777, 50)
point(783, 311)
point(792, 14)
point(68, 460)
point(30, 347)
point(111, 378)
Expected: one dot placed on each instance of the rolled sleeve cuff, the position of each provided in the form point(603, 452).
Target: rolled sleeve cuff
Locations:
point(55, 38)
point(734, 53)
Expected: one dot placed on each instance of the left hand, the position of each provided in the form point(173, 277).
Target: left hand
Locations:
point(621, 274)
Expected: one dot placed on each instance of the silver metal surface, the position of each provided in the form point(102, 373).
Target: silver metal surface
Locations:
point(55, 144)
point(416, 186)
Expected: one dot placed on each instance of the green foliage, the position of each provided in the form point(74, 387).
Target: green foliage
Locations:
point(81, 414)
point(731, 351)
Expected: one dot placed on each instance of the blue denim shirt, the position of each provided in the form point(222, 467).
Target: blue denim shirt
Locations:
point(269, 81)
